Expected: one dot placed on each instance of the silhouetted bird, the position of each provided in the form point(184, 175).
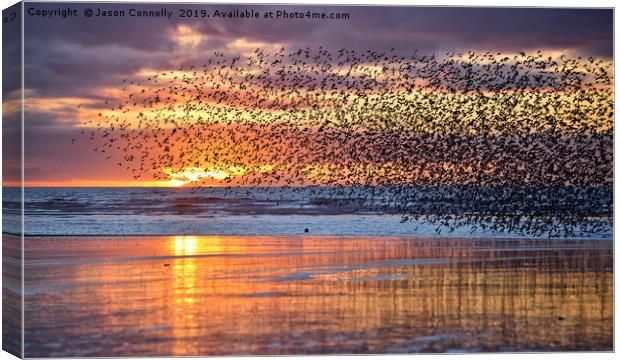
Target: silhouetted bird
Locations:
point(495, 142)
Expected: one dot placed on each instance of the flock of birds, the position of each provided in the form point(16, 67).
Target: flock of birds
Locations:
point(506, 142)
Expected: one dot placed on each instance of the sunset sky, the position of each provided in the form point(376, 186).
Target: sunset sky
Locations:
point(83, 60)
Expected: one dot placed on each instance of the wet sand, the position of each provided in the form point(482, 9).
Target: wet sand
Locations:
point(11, 294)
point(210, 295)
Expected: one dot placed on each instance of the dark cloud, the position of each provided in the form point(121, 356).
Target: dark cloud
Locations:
point(585, 30)
point(68, 56)
point(11, 52)
point(73, 69)
point(75, 57)
point(146, 34)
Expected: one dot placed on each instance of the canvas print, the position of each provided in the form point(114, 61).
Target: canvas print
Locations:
point(201, 179)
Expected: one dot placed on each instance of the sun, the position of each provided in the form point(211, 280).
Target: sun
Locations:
point(176, 182)
point(184, 176)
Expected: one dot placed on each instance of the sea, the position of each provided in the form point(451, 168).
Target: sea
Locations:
point(274, 211)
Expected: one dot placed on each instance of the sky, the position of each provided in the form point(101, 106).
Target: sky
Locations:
point(81, 60)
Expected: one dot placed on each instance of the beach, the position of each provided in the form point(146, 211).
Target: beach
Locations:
point(232, 295)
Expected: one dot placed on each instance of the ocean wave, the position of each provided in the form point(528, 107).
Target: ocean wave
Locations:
point(290, 211)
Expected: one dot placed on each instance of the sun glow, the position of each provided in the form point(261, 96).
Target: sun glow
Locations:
point(192, 175)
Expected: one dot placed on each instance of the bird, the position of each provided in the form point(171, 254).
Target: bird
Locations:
point(489, 141)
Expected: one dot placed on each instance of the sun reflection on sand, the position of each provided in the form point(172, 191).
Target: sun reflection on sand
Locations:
point(184, 245)
point(208, 295)
point(186, 302)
